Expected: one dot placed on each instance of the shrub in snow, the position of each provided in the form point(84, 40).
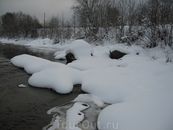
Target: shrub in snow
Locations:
point(80, 49)
point(56, 40)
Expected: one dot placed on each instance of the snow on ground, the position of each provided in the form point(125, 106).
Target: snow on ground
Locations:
point(15, 41)
point(33, 64)
point(60, 79)
point(138, 87)
point(36, 43)
point(91, 63)
point(46, 43)
point(114, 91)
point(150, 110)
point(80, 49)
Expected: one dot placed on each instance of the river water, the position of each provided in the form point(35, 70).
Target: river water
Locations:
point(25, 108)
point(10, 50)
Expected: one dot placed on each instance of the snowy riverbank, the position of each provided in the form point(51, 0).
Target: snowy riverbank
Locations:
point(43, 43)
point(157, 53)
point(137, 87)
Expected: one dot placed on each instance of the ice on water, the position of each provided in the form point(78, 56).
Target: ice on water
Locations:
point(79, 114)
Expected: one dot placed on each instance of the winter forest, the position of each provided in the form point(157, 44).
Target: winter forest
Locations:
point(145, 22)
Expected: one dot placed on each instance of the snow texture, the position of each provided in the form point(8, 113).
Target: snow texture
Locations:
point(59, 79)
point(137, 87)
point(148, 111)
point(32, 64)
point(114, 91)
point(40, 42)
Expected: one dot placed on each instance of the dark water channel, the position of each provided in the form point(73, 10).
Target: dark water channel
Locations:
point(10, 50)
point(25, 108)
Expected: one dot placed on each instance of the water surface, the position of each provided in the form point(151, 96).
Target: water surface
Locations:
point(25, 108)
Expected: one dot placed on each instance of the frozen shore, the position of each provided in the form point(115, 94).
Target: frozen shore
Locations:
point(139, 84)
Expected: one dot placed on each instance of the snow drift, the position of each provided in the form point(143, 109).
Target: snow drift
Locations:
point(137, 87)
point(148, 111)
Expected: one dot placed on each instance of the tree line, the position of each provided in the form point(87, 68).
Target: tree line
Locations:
point(16, 25)
point(149, 22)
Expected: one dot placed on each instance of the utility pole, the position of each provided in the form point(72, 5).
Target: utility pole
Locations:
point(44, 19)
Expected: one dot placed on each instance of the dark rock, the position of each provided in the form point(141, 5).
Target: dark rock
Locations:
point(116, 54)
point(86, 105)
point(79, 114)
point(70, 58)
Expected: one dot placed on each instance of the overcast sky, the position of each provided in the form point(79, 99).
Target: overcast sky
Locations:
point(38, 7)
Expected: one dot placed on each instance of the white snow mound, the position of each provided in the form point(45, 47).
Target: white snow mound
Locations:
point(32, 64)
point(149, 111)
point(47, 74)
point(80, 49)
point(110, 89)
point(61, 80)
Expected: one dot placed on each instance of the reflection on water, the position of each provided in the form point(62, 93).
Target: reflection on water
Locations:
point(10, 50)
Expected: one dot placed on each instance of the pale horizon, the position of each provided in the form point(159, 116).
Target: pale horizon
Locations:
point(38, 8)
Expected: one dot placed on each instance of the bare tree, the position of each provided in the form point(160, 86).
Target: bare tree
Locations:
point(74, 23)
point(86, 13)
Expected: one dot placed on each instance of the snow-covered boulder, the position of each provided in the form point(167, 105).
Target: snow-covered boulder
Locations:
point(80, 49)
